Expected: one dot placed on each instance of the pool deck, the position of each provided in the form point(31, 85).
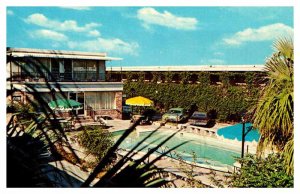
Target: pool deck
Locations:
point(175, 170)
point(117, 125)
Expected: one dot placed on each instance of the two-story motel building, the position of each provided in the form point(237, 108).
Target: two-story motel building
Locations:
point(79, 75)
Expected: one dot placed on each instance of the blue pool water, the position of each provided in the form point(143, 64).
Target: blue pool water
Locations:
point(235, 131)
point(206, 153)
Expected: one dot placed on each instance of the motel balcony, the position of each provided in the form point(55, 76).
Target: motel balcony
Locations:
point(57, 77)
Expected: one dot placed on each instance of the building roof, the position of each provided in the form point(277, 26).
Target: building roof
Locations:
point(257, 67)
point(28, 52)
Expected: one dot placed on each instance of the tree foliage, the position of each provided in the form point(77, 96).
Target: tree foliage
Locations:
point(229, 102)
point(274, 113)
point(258, 172)
point(97, 141)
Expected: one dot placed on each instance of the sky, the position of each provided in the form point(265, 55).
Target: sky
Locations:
point(155, 36)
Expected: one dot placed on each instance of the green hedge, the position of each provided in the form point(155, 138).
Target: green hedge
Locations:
point(229, 101)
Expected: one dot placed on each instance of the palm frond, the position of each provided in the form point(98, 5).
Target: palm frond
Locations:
point(288, 155)
point(274, 112)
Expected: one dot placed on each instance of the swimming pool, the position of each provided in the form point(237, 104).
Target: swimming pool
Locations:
point(235, 132)
point(207, 150)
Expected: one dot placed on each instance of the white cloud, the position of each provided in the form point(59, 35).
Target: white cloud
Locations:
point(94, 33)
point(48, 34)
point(150, 16)
point(213, 61)
point(10, 12)
point(67, 25)
point(106, 45)
point(79, 8)
point(269, 32)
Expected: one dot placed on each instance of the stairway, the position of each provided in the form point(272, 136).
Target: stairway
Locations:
point(83, 119)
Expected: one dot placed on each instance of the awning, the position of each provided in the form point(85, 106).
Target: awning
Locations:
point(65, 104)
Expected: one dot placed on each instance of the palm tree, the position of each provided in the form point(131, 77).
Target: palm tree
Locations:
point(273, 115)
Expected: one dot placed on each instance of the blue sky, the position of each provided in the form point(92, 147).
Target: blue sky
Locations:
point(154, 35)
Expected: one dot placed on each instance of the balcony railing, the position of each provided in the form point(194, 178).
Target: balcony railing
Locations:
point(62, 77)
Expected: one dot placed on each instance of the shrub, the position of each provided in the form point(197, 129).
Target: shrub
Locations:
point(97, 141)
point(260, 172)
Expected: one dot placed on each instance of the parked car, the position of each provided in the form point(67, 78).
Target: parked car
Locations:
point(175, 115)
point(198, 119)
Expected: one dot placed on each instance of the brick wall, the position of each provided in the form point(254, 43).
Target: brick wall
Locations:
point(119, 104)
point(112, 113)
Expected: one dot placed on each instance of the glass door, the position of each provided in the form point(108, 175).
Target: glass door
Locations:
point(79, 97)
point(61, 70)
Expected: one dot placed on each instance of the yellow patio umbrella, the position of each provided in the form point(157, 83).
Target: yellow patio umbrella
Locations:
point(139, 101)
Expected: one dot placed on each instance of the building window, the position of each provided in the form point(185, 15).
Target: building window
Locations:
point(91, 70)
point(44, 67)
point(85, 70)
point(100, 100)
point(15, 70)
point(29, 69)
point(79, 69)
point(102, 71)
point(35, 68)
